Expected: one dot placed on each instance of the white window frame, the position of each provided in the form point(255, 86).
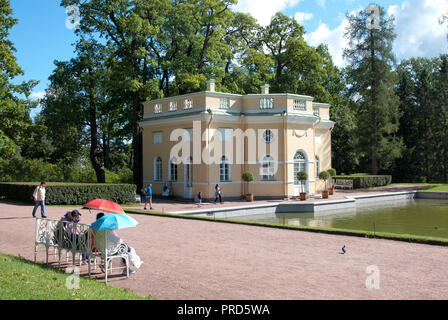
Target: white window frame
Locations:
point(172, 171)
point(157, 136)
point(300, 164)
point(316, 111)
point(225, 174)
point(267, 167)
point(158, 169)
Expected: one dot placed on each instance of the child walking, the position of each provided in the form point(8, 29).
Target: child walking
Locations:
point(199, 199)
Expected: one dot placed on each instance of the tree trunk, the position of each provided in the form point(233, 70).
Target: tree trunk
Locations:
point(106, 151)
point(100, 175)
point(137, 144)
point(374, 165)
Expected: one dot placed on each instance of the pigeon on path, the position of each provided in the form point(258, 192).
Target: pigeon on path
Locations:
point(344, 249)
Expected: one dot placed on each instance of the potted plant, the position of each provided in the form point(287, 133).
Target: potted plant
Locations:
point(332, 173)
point(248, 177)
point(302, 176)
point(324, 175)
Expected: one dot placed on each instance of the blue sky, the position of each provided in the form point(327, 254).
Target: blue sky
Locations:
point(41, 36)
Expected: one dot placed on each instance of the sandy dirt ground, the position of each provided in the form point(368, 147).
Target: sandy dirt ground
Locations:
point(187, 259)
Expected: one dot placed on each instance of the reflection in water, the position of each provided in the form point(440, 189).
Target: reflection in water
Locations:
point(425, 217)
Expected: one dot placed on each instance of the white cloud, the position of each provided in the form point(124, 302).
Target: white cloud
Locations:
point(303, 16)
point(263, 10)
point(36, 96)
point(417, 27)
point(333, 38)
point(419, 33)
point(321, 3)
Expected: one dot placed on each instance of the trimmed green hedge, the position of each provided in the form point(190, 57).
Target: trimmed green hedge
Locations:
point(365, 181)
point(69, 193)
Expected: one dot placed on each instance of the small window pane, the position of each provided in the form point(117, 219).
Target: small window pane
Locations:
point(173, 171)
point(268, 169)
point(224, 169)
point(158, 169)
point(158, 138)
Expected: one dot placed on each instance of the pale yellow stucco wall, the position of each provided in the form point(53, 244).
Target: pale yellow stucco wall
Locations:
point(299, 136)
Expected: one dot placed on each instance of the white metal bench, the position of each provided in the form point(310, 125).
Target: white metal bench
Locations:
point(343, 184)
point(120, 251)
point(76, 238)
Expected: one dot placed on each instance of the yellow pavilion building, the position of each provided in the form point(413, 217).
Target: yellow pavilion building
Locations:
point(271, 135)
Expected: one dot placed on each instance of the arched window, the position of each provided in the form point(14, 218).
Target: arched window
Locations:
point(158, 169)
point(299, 165)
point(268, 172)
point(224, 169)
point(172, 170)
point(317, 166)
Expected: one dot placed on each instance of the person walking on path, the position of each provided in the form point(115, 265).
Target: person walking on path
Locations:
point(39, 199)
point(148, 196)
point(218, 193)
point(199, 199)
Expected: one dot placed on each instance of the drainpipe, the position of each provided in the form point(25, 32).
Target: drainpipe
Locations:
point(285, 154)
point(207, 144)
point(331, 151)
point(243, 164)
point(314, 151)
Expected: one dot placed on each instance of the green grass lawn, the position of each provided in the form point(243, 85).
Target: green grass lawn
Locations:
point(435, 187)
point(424, 186)
point(21, 279)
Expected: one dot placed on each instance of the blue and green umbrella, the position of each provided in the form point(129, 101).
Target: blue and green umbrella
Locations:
point(114, 222)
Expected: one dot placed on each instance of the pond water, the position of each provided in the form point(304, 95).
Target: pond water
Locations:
point(423, 217)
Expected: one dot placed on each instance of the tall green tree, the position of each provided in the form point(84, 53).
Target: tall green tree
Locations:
point(423, 92)
point(370, 70)
point(442, 110)
point(332, 89)
point(297, 67)
point(81, 106)
point(162, 47)
point(416, 90)
point(14, 110)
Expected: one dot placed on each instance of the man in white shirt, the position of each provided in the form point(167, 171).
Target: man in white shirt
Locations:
point(39, 199)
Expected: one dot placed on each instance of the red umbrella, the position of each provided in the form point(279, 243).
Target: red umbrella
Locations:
point(104, 205)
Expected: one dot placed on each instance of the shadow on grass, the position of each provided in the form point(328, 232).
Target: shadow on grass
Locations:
point(428, 187)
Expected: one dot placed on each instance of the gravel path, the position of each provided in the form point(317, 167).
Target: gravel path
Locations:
point(187, 259)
